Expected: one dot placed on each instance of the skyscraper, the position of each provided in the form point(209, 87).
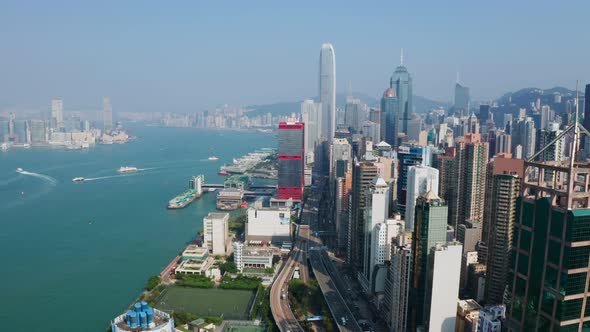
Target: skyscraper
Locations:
point(548, 280)
point(544, 137)
point(57, 115)
point(430, 228)
point(328, 91)
point(107, 113)
point(376, 212)
point(363, 173)
point(401, 82)
point(461, 99)
point(290, 154)
point(352, 114)
point(311, 117)
point(503, 189)
point(472, 178)
point(389, 107)
point(421, 179)
point(407, 156)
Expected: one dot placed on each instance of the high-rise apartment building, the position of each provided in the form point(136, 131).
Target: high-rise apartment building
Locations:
point(327, 91)
point(291, 150)
point(107, 114)
point(401, 82)
point(430, 228)
point(397, 285)
point(503, 189)
point(472, 178)
point(554, 152)
point(216, 231)
point(363, 174)
point(389, 108)
point(421, 179)
point(375, 213)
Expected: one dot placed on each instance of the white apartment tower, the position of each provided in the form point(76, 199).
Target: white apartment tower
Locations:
point(216, 231)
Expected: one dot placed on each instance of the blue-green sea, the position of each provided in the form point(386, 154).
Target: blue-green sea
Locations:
point(74, 255)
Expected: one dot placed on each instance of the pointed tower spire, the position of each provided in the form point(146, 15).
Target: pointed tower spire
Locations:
point(401, 57)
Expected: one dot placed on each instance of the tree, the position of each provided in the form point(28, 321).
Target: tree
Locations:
point(152, 282)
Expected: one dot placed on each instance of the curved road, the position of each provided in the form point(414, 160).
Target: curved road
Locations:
point(281, 311)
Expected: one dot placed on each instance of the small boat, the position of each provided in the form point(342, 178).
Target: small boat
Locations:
point(78, 179)
point(212, 158)
point(223, 173)
point(19, 170)
point(127, 169)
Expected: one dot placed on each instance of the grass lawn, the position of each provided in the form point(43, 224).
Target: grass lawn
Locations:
point(232, 304)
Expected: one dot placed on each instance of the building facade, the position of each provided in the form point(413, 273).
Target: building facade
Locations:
point(327, 91)
point(290, 180)
point(216, 231)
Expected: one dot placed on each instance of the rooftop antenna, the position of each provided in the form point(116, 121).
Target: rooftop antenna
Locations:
point(457, 77)
point(350, 88)
point(401, 57)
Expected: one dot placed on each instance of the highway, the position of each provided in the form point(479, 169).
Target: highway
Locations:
point(281, 311)
point(323, 269)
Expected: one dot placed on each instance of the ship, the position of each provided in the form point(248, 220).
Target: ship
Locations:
point(127, 169)
point(212, 158)
point(19, 170)
point(78, 179)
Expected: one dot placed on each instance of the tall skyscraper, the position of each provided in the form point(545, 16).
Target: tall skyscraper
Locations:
point(107, 113)
point(57, 115)
point(397, 287)
point(442, 287)
point(311, 116)
point(328, 90)
point(548, 280)
point(503, 189)
point(461, 99)
point(430, 229)
point(421, 179)
point(290, 154)
point(389, 107)
point(376, 212)
point(352, 114)
point(401, 82)
point(407, 156)
point(363, 174)
point(472, 179)
point(38, 133)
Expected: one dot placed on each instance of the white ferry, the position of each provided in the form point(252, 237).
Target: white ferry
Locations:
point(212, 158)
point(19, 170)
point(127, 169)
point(79, 179)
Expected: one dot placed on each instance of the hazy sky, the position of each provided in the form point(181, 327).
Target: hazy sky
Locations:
point(191, 55)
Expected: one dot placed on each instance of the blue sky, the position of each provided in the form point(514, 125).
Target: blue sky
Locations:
point(192, 55)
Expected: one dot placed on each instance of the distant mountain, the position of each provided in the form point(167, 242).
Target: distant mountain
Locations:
point(421, 104)
point(525, 97)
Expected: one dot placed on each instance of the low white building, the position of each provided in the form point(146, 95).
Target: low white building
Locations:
point(251, 257)
point(490, 319)
point(194, 252)
point(268, 223)
point(216, 231)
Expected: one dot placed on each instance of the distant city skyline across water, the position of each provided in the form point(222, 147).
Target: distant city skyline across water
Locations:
point(81, 252)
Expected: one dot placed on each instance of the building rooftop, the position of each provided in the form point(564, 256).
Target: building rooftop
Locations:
point(193, 249)
point(257, 252)
point(217, 215)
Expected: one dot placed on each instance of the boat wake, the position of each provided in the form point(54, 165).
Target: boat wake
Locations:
point(47, 178)
point(109, 177)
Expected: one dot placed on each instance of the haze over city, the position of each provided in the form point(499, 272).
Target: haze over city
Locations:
point(190, 56)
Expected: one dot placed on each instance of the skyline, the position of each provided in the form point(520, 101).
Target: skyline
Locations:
point(189, 56)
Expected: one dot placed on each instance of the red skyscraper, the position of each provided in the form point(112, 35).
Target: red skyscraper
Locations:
point(291, 151)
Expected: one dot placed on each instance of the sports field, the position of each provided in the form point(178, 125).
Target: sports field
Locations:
point(232, 304)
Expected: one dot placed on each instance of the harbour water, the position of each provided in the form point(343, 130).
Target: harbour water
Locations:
point(74, 255)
